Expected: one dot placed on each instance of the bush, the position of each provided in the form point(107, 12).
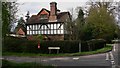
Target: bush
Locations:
point(95, 44)
point(29, 46)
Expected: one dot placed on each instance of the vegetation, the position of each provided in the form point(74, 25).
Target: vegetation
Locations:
point(102, 50)
point(100, 24)
point(29, 46)
point(9, 10)
point(80, 21)
point(9, 64)
point(5, 19)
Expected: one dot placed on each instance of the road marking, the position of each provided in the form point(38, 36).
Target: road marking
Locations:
point(114, 48)
point(1, 58)
point(111, 55)
point(76, 58)
point(107, 56)
point(44, 60)
point(59, 59)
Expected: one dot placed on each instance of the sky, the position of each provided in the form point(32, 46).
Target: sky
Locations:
point(34, 7)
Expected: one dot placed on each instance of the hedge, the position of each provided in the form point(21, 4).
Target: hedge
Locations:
point(11, 44)
point(22, 45)
point(95, 44)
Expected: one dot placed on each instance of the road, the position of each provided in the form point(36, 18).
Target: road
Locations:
point(104, 60)
point(116, 54)
point(91, 61)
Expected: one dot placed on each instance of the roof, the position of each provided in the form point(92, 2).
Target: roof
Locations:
point(20, 27)
point(34, 19)
point(59, 15)
point(45, 10)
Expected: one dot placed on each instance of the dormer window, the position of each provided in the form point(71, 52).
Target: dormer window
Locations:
point(43, 16)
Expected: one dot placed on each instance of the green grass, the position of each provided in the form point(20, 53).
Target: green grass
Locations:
point(102, 50)
point(9, 64)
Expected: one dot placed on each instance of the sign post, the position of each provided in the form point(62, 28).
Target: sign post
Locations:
point(79, 46)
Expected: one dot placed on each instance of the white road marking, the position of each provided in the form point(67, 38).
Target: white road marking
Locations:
point(59, 59)
point(44, 60)
point(1, 58)
point(107, 56)
point(114, 48)
point(76, 58)
point(113, 62)
point(112, 58)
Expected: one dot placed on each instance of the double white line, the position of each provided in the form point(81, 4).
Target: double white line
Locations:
point(109, 56)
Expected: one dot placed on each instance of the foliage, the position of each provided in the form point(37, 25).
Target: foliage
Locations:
point(79, 23)
point(95, 44)
point(22, 45)
point(107, 48)
point(99, 24)
point(40, 37)
point(21, 22)
point(9, 10)
point(5, 19)
point(30, 46)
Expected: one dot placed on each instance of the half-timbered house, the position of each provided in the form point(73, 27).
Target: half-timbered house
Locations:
point(50, 24)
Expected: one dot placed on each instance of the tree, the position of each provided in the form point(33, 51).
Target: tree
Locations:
point(80, 21)
point(21, 21)
point(100, 24)
point(5, 19)
point(9, 10)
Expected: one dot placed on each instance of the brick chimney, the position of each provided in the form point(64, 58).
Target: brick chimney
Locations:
point(53, 12)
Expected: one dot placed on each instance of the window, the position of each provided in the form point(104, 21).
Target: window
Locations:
point(62, 32)
point(33, 27)
point(58, 31)
point(28, 32)
point(48, 31)
point(58, 26)
point(52, 26)
point(27, 27)
point(62, 27)
point(43, 16)
point(55, 26)
point(55, 31)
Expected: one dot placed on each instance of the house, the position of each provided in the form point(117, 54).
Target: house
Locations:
point(20, 30)
point(50, 24)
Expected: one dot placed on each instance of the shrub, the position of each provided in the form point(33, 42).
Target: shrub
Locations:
point(29, 46)
point(96, 44)
point(11, 44)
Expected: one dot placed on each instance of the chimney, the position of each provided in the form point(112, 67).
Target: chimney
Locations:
point(53, 12)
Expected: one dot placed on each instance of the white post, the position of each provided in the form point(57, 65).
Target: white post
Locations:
point(79, 47)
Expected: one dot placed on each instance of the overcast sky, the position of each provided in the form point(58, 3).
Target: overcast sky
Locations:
point(35, 7)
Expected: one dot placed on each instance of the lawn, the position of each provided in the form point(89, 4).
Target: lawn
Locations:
point(10, 64)
point(102, 50)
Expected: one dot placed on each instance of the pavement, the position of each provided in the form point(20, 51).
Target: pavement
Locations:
point(104, 60)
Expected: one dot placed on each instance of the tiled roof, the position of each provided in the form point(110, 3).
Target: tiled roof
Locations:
point(35, 18)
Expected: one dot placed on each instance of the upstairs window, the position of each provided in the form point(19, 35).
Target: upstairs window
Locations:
point(43, 16)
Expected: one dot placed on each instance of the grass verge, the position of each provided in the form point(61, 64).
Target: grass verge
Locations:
point(9, 64)
point(102, 50)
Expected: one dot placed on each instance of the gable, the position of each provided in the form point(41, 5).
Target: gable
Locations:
point(43, 11)
point(21, 32)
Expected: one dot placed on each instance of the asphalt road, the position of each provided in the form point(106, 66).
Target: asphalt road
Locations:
point(91, 61)
point(116, 54)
